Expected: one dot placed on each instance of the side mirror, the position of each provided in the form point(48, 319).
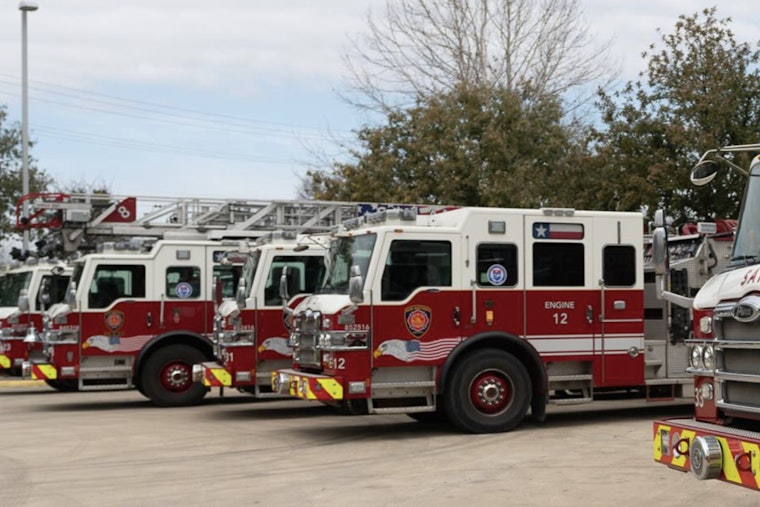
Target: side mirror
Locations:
point(43, 297)
point(284, 286)
point(703, 173)
point(659, 218)
point(71, 295)
point(240, 294)
point(660, 251)
point(355, 285)
point(23, 301)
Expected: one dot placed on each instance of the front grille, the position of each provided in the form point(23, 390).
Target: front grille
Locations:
point(308, 326)
point(737, 350)
point(736, 360)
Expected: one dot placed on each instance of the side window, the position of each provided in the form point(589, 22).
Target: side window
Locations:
point(558, 265)
point(183, 282)
point(619, 265)
point(413, 264)
point(497, 265)
point(305, 274)
point(112, 282)
point(228, 276)
point(57, 286)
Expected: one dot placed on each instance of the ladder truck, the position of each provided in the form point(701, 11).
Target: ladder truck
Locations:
point(140, 312)
point(478, 315)
point(722, 439)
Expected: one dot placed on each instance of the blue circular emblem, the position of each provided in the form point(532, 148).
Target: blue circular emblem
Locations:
point(497, 274)
point(183, 290)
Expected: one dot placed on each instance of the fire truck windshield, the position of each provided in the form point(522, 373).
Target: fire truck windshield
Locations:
point(12, 286)
point(249, 270)
point(747, 243)
point(345, 252)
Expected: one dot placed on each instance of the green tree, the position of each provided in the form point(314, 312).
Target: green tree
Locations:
point(473, 146)
point(701, 90)
point(11, 175)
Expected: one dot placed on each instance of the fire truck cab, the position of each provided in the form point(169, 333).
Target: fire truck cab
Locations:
point(25, 293)
point(722, 440)
point(475, 314)
point(250, 336)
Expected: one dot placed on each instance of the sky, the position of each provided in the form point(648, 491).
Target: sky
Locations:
point(227, 100)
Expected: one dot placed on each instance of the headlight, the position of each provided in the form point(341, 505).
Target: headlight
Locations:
point(696, 357)
point(705, 325)
point(708, 357)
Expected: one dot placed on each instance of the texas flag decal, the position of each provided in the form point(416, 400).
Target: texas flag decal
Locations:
point(545, 230)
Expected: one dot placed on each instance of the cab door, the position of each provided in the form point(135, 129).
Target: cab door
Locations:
point(417, 313)
point(621, 340)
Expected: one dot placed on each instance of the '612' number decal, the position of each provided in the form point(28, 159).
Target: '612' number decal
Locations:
point(335, 363)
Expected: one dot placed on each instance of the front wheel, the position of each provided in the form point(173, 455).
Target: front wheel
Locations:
point(167, 378)
point(489, 391)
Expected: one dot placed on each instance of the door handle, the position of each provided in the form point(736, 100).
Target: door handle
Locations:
point(456, 316)
point(589, 314)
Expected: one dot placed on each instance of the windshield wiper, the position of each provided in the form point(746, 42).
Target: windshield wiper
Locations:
point(745, 259)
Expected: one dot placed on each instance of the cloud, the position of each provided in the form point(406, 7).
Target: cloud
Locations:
point(189, 43)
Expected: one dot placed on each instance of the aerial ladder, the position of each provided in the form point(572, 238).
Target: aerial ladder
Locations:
point(78, 222)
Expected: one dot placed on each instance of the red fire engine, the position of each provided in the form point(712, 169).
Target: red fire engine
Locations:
point(21, 306)
point(250, 339)
point(141, 314)
point(722, 440)
point(480, 314)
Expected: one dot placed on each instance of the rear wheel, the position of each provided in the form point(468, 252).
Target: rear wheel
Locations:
point(64, 386)
point(167, 377)
point(489, 392)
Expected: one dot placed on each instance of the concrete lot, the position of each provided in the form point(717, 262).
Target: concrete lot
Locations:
point(115, 449)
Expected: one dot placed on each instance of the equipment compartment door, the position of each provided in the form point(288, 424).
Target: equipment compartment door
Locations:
point(562, 296)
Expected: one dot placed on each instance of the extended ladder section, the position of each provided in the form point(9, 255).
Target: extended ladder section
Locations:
point(78, 222)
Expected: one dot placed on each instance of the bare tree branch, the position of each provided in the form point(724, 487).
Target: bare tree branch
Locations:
point(424, 47)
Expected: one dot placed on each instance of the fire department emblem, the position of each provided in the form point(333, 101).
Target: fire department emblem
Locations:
point(497, 274)
point(417, 319)
point(114, 320)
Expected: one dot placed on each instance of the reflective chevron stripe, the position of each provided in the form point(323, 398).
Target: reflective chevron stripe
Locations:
point(44, 372)
point(216, 377)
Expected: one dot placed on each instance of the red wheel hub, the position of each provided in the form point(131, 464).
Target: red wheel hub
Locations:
point(490, 392)
point(176, 377)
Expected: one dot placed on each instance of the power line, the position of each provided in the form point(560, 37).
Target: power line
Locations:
point(162, 109)
point(90, 139)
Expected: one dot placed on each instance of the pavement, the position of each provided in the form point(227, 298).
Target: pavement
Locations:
point(11, 381)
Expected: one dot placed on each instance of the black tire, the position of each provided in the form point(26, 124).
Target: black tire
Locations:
point(64, 386)
point(167, 377)
point(489, 391)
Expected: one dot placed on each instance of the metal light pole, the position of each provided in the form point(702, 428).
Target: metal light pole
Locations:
point(25, 6)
